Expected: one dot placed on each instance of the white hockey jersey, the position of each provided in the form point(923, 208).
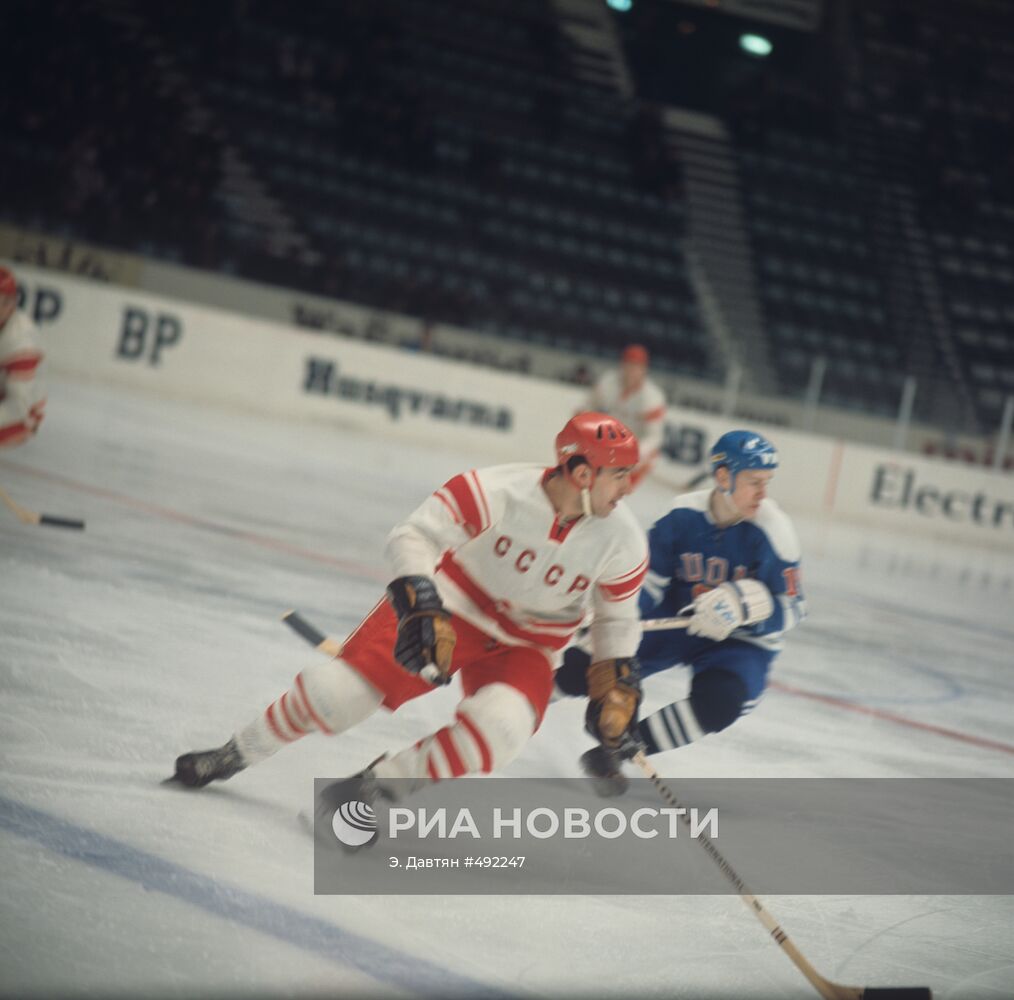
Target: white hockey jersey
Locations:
point(22, 399)
point(506, 563)
point(643, 410)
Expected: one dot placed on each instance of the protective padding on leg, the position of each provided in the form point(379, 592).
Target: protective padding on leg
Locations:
point(717, 697)
point(500, 717)
point(329, 697)
point(336, 696)
point(492, 727)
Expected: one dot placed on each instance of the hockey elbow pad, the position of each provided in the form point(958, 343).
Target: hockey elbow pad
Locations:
point(425, 635)
point(614, 694)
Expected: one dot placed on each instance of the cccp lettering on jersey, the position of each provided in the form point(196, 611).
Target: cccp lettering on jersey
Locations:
point(522, 562)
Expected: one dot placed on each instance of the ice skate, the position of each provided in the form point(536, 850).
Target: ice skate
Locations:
point(346, 812)
point(197, 769)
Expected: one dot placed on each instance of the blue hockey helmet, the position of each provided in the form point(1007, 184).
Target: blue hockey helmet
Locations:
point(738, 450)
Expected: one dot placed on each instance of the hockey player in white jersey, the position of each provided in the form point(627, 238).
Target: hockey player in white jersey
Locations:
point(493, 574)
point(730, 557)
point(22, 400)
point(629, 395)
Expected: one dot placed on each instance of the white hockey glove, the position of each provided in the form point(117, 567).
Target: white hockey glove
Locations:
point(718, 613)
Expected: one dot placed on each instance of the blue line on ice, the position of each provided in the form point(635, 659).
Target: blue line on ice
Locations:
point(346, 948)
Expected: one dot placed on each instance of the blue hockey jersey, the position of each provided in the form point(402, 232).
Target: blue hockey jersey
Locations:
point(690, 554)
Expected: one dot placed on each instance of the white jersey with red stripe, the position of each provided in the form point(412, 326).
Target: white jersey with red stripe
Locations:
point(506, 563)
point(21, 396)
point(642, 410)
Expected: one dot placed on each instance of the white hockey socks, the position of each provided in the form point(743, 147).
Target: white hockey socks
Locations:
point(492, 727)
point(328, 697)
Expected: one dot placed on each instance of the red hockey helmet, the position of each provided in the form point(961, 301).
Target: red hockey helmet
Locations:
point(635, 354)
point(8, 286)
point(598, 438)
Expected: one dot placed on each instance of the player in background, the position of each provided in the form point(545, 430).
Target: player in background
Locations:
point(629, 395)
point(22, 399)
point(493, 574)
point(730, 556)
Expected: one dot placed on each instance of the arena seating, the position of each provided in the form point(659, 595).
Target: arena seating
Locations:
point(817, 273)
point(446, 160)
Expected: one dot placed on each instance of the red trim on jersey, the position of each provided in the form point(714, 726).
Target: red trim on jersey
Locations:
point(22, 364)
point(559, 530)
point(11, 433)
point(488, 606)
point(309, 707)
point(657, 414)
point(621, 589)
point(464, 497)
point(481, 494)
point(447, 503)
point(480, 742)
point(457, 765)
point(430, 769)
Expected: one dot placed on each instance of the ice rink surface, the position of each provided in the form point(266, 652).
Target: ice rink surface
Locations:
point(157, 631)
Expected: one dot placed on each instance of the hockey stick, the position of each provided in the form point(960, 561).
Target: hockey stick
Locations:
point(312, 635)
point(827, 989)
point(34, 517)
point(332, 647)
point(661, 624)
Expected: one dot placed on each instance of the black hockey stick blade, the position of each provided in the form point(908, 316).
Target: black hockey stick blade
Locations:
point(61, 522)
point(303, 628)
point(897, 993)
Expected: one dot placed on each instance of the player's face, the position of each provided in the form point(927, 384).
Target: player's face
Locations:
point(632, 375)
point(8, 303)
point(751, 488)
point(609, 488)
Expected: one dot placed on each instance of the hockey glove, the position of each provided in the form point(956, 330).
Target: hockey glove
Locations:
point(425, 635)
point(718, 613)
point(571, 679)
point(614, 693)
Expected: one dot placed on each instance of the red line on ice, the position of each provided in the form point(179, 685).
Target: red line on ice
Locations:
point(358, 569)
point(901, 720)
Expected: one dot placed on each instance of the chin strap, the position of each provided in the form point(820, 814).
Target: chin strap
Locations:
point(585, 491)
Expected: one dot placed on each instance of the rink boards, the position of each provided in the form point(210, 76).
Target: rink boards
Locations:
point(209, 355)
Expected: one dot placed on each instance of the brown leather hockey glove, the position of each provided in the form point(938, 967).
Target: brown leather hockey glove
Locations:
point(614, 694)
point(426, 637)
